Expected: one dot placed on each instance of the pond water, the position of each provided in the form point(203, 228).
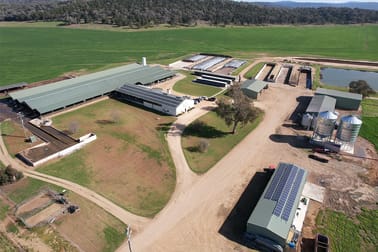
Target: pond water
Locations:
point(342, 77)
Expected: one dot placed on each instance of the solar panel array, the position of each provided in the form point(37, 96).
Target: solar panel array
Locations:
point(284, 189)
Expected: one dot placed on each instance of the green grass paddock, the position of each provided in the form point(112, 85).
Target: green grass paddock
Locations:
point(220, 140)
point(38, 53)
point(187, 86)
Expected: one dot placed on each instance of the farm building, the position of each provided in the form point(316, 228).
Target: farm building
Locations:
point(213, 79)
point(252, 88)
point(156, 99)
point(13, 86)
point(58, 95)
point(321, 103)
point(272, 219)
point(344, 100)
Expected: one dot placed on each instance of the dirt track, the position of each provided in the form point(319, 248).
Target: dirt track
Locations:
point(194, 214)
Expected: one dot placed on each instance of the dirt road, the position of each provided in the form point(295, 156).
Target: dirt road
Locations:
point(191, 219)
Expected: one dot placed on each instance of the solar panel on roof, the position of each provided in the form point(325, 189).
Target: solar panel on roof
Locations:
point(293, 194)
point(281, 184)
point(277, 175)
point(285, 190)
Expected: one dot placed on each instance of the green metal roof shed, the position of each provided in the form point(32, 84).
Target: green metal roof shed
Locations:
point(344, 100)
point(252, 88)
point(64, 93)
point(274, 213)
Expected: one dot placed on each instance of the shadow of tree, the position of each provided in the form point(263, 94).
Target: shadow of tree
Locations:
point(193, 149)
point(201, 129)
point(163, 127)
point(104, 122)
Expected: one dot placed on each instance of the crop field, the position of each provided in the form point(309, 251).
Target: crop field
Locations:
point(51, 51)
point(128, 164)
point(216, 133)
point(89, 228)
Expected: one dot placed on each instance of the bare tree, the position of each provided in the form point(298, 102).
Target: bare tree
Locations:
point(238, 110)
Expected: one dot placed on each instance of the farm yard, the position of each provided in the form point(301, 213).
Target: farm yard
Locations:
point(128, 164)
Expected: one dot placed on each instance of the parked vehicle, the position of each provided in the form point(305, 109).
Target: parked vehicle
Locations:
point(212, 99)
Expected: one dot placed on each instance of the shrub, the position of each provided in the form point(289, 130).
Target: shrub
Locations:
point(203, 145)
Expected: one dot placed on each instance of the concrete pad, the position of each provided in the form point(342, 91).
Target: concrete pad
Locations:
point(180, 65)
point(314, 192)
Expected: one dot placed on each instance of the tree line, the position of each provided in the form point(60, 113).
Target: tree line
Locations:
point(145, 13)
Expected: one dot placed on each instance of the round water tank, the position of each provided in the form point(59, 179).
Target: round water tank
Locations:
point(325, 123)
point(306, 120)
point(349, 128)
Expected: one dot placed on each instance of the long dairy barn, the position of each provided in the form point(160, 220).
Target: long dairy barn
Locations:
point(62, 94)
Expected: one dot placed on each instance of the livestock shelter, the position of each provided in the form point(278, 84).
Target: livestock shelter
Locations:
point(273, 216)
point(344, 100)
point(61, 94)
point(321, 103)
point(156, 99)
point(13, 86)
point(252, 88)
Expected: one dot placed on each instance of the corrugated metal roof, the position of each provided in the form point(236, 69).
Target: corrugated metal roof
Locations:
point(11, 86)
point(254, 85)
point(320, 103)
point(208, 63)
point(277, 195)
point(151, 95)
point(67, 92)
point(336, 93)
point(235, 63)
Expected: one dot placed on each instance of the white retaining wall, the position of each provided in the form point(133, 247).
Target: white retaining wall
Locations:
point(83, 141)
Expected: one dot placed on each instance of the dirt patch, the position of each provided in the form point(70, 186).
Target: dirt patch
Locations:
point(48, 213)
point(38, 201)
point(129, 163)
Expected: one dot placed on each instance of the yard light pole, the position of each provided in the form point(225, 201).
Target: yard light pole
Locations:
point(21, 116)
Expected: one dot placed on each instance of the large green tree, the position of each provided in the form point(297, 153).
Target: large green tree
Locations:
point(237, 110)
point(361, 87)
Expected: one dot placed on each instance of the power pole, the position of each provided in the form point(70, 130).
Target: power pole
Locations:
point(128, 234)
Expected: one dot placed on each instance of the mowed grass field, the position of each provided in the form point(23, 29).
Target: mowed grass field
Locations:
point(369, 128)
point(187, 86)
point(38, 53)
point(92, 229)
point(217, 134)
point(358, 233)
point(129, 163)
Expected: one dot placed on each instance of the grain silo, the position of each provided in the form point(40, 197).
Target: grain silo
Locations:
point(325, 124)
point(347, 132)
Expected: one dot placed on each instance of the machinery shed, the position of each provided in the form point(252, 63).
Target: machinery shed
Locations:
point(51, 97)
point(252, 88)
point(344, 100)
point(156, 99)
point(321, 103)
point(272, 219)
